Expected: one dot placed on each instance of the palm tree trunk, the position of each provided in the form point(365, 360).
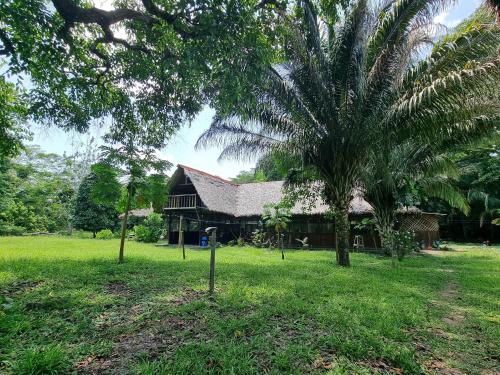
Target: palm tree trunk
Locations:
point(124, 223)
point(384, 219)
point(342, 234)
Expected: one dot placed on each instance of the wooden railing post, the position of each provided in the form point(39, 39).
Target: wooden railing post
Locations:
point(181, 201)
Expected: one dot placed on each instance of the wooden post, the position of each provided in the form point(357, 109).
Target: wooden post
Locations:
point(213, 242)
point(180, 231)
point(183, 249)
point(181, 238)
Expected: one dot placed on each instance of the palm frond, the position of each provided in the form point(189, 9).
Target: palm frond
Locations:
point(441, 189)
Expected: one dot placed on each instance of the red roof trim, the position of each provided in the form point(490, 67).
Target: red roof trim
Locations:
point(205, 173)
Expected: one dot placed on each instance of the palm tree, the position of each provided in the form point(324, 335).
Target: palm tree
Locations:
point(277, 217)
point(343, 88)
point(391, 168)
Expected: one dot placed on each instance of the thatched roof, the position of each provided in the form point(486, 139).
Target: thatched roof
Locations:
point(240, 200)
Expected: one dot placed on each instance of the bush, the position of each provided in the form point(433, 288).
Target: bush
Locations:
point(46, 360)
point(81, 234)
point(258, 237)
point(11, 230)
point(105, 234)
point(151, 230)
point(141, 233)
point(404, 243)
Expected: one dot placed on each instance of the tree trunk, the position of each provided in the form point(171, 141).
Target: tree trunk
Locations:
point(342, 232)
point(124, 224)
point(385, 225)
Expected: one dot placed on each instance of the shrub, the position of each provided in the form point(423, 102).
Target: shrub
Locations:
point(81, 234)
point(151, 230)
point(240, 241)
point(45, 360)
point(404, 243)
point(141, 233)
point(258, 237)
point(11, 230)
point(105, 234)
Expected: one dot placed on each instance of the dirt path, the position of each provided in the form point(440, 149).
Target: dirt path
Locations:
point(452, 319)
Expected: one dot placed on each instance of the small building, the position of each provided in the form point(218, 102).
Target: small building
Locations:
point(204, 200)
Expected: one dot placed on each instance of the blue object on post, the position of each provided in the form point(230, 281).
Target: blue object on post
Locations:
point(204, 241)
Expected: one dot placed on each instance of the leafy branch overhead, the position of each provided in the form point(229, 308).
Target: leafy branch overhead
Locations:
point(171, 57)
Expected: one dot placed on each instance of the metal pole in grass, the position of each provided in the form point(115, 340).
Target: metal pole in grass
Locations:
point(181, 237)
point(183, 250)
point(211, 231)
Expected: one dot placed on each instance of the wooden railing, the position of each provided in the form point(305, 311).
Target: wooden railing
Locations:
point(181, 201)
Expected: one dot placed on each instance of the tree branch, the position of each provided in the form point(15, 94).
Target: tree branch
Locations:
point(8, 47)
point(72, 13)
point(154, 10)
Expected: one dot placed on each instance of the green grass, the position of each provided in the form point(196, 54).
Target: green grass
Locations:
point(68, 306)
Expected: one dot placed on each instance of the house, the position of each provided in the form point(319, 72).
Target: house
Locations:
point(204, 200)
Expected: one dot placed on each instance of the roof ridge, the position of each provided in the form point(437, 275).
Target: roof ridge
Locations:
point(259, 182)
point(206, 174)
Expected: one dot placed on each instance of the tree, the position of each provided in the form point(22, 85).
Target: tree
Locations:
point(277, 217)
point(13, 112)
point(395, 169)
point(155, 192)
point(480, 179)
point(37, 190)
point(253, 175)
point(87, 213)
point(131, 146)
point(171, 57)
point(345, 86)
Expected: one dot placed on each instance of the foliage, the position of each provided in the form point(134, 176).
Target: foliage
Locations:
point(277, 216)
point(479, 167)
point(305, 295)
point(104, 234)
point(50, 359)
point(131, 146)
point(274, 166)
point(404, 243)
point(240, 242)
point(13, 112)
point(173, 57)
point(37, 189)
point(89, 215)
point(155, 191)
point(406, 171)
point(348, 86)
point(106, 189)
point(258, 237)
point(11, 230)
point(245, 177)
point(151, 230)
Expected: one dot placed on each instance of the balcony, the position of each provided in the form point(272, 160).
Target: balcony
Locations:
point(175, 202)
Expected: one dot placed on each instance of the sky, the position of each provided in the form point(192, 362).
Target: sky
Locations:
point(181, 148)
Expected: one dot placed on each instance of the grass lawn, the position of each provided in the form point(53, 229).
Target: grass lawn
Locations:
point(70, 308)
